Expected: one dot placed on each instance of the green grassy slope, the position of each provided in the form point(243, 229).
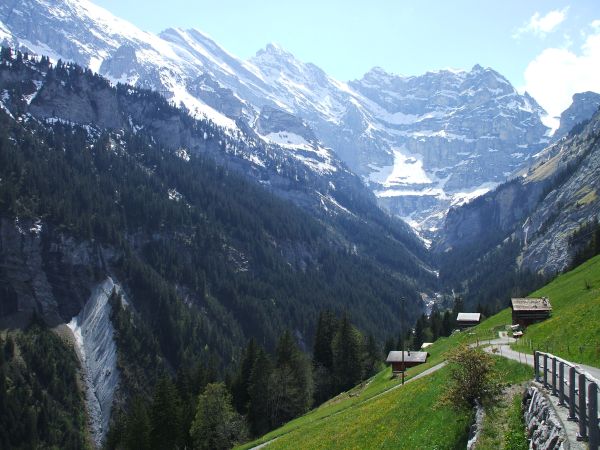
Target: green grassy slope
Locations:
point(573, 331)
point(379, 383)
point(405, 418)
point(402, 417)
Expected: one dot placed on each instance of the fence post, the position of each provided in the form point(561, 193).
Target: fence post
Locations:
point(536, 365)
point(593, 415)
point(572, 415)
point(554, 375)
point(546, 370)
point(561, 384)
point(582, 434)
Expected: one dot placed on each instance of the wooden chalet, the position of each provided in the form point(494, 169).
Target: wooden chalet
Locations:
point(526, 311)
point(467, 320)
point(410, 359)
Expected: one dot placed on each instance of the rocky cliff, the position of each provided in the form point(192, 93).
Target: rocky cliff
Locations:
point(542, 208)
point(583, 107)
point(97, 351)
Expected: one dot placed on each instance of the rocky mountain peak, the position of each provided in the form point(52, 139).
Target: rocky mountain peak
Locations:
point(584, 105)
point(274, 120)
point(272, 49)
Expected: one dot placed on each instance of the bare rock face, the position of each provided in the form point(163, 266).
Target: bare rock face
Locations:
point(96, 348)
point(43, 273)
point(584, 106)
point(273, 120)
point(542, 208)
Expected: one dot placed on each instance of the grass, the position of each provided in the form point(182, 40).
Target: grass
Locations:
point(589, 197)
point(405, 418)
point(573, 330)
point(382, 382)
point(503, 426)
point(355, 419)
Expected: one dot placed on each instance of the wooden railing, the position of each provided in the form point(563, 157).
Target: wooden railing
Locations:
point(576, 390)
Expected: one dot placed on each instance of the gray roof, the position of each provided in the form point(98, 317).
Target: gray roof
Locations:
point(528, 304)
point(396, 356)
point(469, 317)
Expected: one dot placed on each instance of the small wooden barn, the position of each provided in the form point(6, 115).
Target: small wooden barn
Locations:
point(402, 362)
point(467, 320)
point(526, 311)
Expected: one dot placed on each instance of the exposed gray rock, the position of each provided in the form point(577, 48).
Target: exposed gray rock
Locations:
point(43, 272)
point(475, 430)
point(583, 107)
point(96, 348)
point(273, 120)
point(541, 208)
point(544, 427)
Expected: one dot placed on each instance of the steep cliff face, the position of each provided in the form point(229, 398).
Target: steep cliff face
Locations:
point(44, 272)
point(541, 208)
point(95, 344)
point(583, 107)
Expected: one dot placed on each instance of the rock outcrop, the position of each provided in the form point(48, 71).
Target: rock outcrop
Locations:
point(96, 348)
point(584, 106)
point(542, 208)
point(544, 427)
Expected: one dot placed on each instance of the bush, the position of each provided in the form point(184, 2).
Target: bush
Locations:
point(472, 378)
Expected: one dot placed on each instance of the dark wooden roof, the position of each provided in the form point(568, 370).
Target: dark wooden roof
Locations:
point(396, 356)
point(531, 304)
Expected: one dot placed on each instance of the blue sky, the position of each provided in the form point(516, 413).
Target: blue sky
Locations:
point(347, 38)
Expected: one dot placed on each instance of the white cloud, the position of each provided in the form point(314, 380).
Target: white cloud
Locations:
point(541, 25)
point(595, 25)
point(557, 73)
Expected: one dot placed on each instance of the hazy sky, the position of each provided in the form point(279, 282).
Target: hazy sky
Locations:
point(542, 46)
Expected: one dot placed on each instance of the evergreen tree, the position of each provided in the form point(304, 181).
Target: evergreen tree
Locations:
point(241, 382)
point(326, 329)
point(138, 426)
point(389, 346)
point(458, 307)
point(217, 426)
point(291, 384)
point(419, 335)
point(346, 356)
point(166, 432)
point(372, 358)
point(258, 394)
point(323, 356)
point(447, 323)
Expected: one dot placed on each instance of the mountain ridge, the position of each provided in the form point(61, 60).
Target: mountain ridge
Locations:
point(190, 68)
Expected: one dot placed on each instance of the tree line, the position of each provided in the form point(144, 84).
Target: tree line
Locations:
point(266, 390)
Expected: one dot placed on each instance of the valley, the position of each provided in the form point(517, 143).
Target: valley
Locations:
point(199, 250)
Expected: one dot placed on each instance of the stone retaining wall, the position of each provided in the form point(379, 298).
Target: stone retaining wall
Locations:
point(544, 427)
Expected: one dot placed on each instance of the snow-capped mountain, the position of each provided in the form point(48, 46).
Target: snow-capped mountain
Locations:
point(453, 135)
point(421, 143)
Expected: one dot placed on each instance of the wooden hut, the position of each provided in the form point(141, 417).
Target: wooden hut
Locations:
point(467, 320)
point(526, 311)
point(401, 362)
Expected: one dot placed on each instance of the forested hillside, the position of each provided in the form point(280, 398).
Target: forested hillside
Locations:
point(207, 256)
